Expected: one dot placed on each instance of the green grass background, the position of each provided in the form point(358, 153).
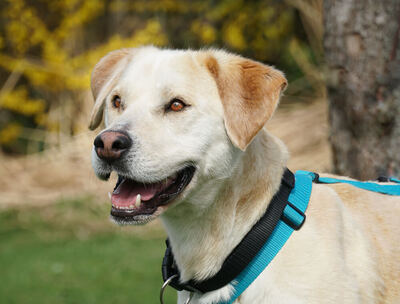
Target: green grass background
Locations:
point(70, 253)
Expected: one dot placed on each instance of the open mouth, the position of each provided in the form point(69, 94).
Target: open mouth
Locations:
point(139, 202)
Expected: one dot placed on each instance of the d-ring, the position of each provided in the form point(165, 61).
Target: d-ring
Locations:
point(190, 298)
point(166, 283)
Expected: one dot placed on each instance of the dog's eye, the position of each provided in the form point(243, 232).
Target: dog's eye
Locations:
point(116, 102)
point(176, 105)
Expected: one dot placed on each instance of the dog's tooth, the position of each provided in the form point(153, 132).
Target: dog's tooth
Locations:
point(109, 195)
point(138, 201)
point(131, 206)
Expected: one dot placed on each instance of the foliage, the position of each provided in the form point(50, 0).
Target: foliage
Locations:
point(48, 48)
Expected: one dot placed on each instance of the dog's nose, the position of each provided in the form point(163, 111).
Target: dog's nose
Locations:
point(110, 145)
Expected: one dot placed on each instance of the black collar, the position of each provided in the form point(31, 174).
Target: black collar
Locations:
point(243, 253)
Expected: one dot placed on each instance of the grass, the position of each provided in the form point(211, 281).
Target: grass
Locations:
point(69, 253)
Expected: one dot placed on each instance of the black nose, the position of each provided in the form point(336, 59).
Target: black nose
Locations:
point(110, 145)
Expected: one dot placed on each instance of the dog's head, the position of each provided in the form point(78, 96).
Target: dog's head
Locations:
point(173, 119)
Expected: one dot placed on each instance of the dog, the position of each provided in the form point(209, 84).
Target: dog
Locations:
point(184, 131)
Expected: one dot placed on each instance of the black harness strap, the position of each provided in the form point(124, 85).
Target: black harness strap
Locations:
point(243, 253)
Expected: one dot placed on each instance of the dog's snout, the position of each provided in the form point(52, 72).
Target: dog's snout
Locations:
point(110, 145)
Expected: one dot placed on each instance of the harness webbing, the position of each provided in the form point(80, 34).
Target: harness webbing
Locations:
point(244, 252)
point(370, 186)
point(289, 218)
point(299, 198)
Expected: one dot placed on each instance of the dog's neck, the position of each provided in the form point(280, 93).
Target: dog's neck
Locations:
point(201, 239)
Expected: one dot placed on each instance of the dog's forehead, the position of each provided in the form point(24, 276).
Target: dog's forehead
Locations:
point(156, 76)
point(161, 68)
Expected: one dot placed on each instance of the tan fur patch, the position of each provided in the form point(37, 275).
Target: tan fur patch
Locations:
point(249, 92)
point(212, 66)
point(104, 68)
point(102, 73)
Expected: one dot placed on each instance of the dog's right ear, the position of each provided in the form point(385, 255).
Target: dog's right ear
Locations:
point(104, 76)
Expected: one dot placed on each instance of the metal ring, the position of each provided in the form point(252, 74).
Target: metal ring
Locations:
point(166, 283)
point(190, 298)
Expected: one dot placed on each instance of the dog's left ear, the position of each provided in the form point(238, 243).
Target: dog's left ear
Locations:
point(249, 92)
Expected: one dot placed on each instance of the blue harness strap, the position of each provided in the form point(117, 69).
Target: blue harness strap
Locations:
point(262, 243)
point(292, 219)
point(394, 180)
point(370, 186)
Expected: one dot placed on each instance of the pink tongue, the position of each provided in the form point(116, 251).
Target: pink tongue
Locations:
point(126, 193)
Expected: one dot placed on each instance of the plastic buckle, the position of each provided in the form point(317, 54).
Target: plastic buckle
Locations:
point(383, 179)
point(315, 177)
point(288, 220)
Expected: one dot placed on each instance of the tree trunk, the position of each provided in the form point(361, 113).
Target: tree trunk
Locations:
point(361, 46)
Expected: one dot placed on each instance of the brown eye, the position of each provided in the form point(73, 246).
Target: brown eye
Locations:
point(176, 105)
point(116, 101)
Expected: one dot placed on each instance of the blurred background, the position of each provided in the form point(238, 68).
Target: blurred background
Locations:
point(56, 242)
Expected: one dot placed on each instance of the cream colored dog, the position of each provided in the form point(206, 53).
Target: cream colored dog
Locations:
point(184, 132)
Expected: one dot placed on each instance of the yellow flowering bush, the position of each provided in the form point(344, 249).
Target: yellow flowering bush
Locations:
point(48, 48)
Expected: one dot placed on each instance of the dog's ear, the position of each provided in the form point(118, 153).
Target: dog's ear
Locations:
point(104, 76)
point(249, 92)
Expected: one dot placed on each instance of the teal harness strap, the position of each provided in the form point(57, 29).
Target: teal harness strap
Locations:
point(371, 186)
point(292, 219)
point(262, 243)
point(394, 180)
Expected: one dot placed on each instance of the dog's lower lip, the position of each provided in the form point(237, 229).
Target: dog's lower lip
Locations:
point(128, 212)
